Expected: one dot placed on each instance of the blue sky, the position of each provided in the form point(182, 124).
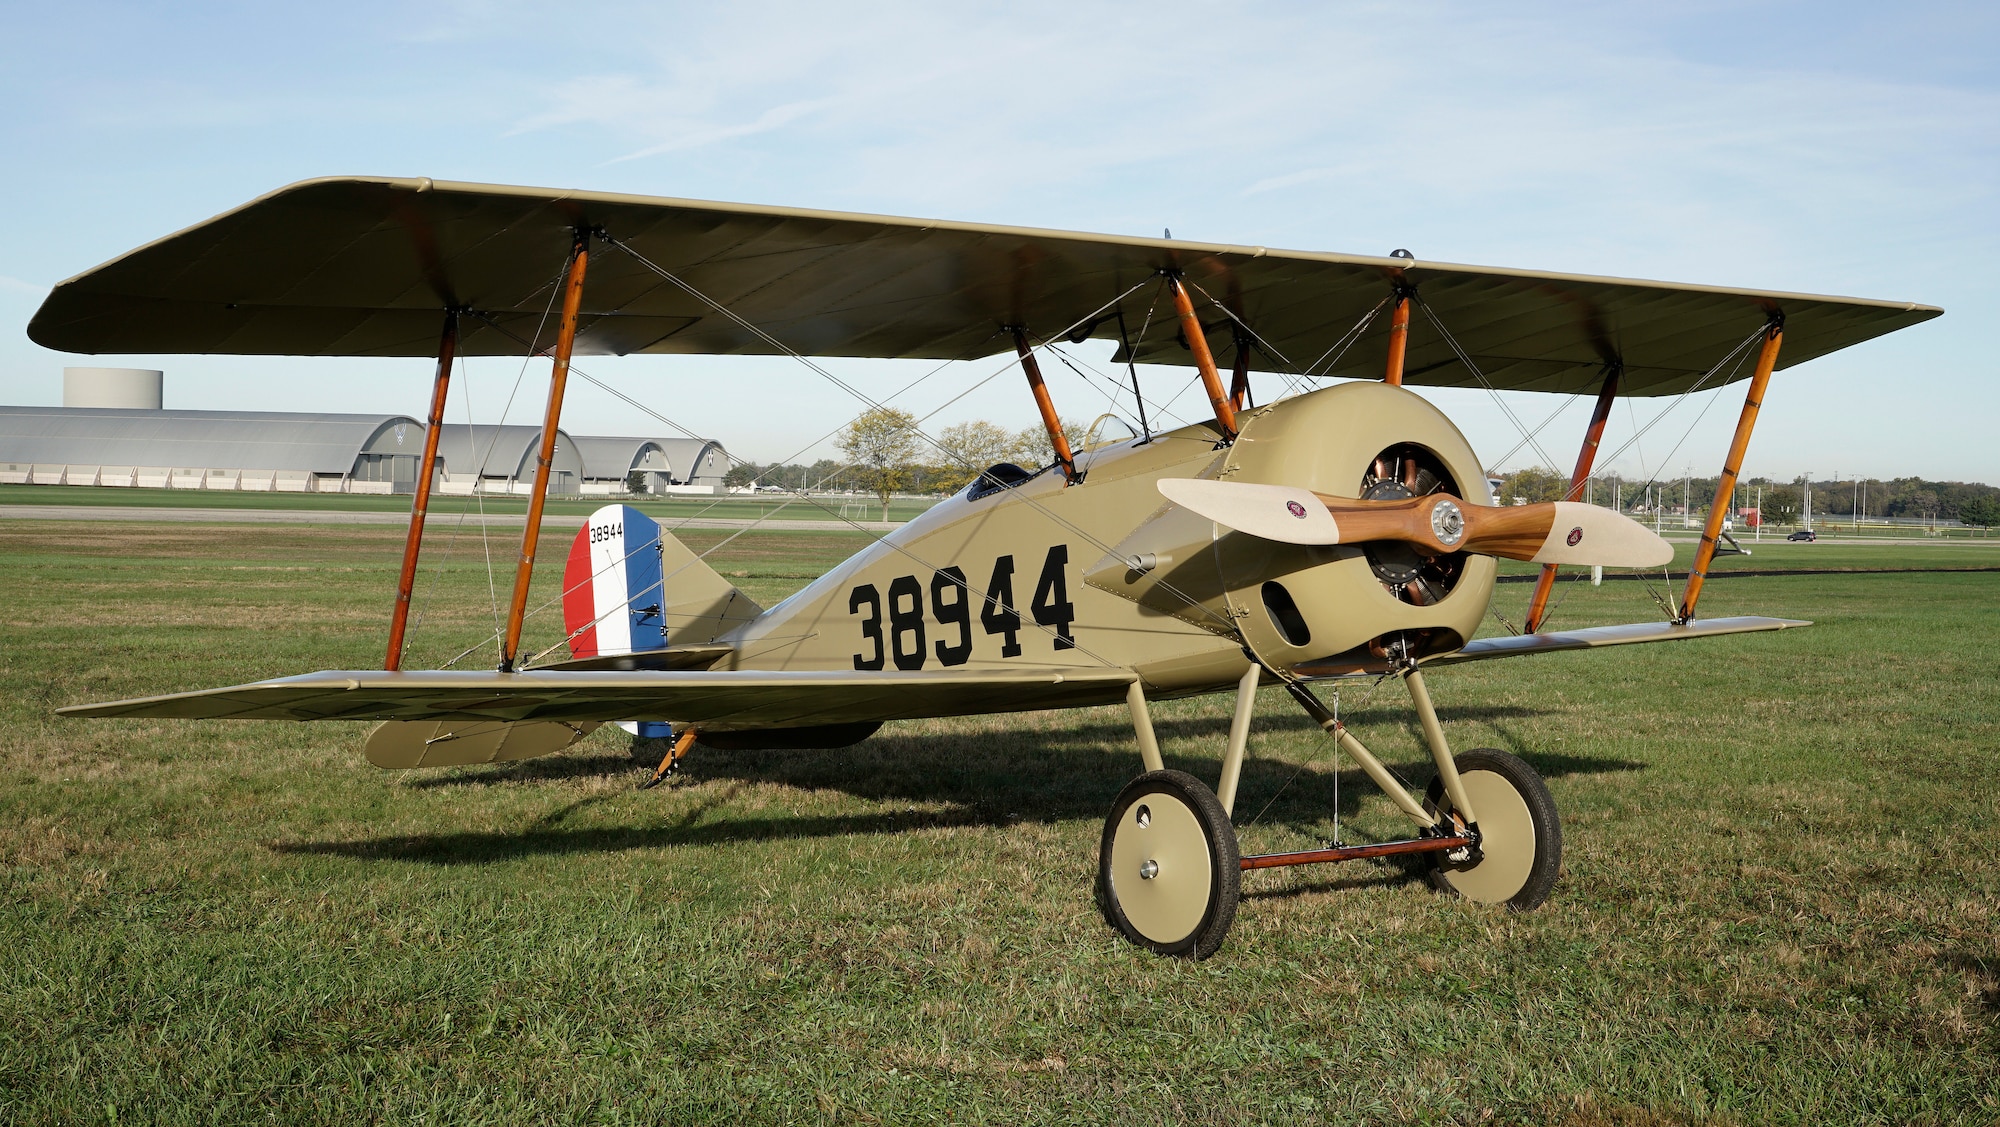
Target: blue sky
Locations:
point(1828, 147)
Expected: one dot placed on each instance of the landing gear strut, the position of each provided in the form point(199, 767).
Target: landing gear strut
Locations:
point(1169, 869)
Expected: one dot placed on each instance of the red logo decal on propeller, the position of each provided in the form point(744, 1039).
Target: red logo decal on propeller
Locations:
point(1296, 509)
point(1575, 536)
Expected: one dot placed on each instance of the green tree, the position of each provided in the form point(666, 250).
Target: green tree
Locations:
point(1979, 512)
point(825, 474)
point(881, 444)
point(1032, 448)
point(1532, 486)
point(1781, 504)
point(965, 449)
point(742, 474)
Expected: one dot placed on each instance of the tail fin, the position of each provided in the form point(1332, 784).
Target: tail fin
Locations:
point(631, 587)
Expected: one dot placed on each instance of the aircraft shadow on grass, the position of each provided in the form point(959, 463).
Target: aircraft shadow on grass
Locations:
point(992, 778)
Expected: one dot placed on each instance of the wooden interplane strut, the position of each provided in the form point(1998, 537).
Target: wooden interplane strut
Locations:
point(545, 455)
point(1197, 342)
point(1399, 339)
point(1753, 401)
point(420, 506)
point(1585, 458)
point(1057, 439)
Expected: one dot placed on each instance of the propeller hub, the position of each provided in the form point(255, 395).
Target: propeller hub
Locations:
point(1447, 523)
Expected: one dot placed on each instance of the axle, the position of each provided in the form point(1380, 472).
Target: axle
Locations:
point(1355, 852)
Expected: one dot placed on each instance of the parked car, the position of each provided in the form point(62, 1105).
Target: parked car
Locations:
point(1803, 534)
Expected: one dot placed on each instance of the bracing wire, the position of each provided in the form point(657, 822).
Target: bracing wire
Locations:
point(1089, 318)
point(865, 399)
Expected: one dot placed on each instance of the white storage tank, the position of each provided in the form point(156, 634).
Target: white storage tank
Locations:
point(133, 389)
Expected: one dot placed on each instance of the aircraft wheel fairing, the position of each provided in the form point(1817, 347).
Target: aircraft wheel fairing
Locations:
point(1520, 834)
point(1168, 867)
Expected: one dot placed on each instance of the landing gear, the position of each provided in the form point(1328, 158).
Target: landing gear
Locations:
point(1168, 870)
point(1520, 836)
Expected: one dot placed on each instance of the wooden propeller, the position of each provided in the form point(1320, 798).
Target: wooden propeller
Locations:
point(1556, 532)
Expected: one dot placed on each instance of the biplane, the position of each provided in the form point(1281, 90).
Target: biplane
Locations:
point(1343, 529)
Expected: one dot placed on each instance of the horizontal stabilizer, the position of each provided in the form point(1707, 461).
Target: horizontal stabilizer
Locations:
point(723, 699)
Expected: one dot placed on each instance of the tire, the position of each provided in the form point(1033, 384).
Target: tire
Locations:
point(1520, 832)
point(1168, 870)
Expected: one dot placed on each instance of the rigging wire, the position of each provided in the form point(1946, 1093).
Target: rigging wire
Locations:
point(984, 597)
point(479, 499)
point(1466, 359)
point(1565, 405)
point(1739, 355)
point(1095, 315)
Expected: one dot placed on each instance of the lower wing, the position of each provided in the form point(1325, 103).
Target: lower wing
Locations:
point(1593, 637)
point(713, 699)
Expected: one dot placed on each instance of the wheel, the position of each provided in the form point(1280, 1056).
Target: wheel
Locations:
point(1520, 835)
point(1168, 868)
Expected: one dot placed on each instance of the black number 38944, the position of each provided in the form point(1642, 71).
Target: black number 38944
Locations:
point(896, 630)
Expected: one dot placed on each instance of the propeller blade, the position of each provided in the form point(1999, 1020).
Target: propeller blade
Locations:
point(1572, 533)
point(1273, 512)
point(1559, 532)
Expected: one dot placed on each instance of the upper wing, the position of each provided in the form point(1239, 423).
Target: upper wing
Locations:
point(356, 266)
point(725, 699)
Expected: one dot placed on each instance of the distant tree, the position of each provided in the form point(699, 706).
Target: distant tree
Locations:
point(965, 449)
point(635, 482)
point(825, 474)
point(881, 445)
point(1032, 448)
point(742, 474)
point(1532, 486)
point(1979, 512)
point(1925, 502)
point(1781, 504)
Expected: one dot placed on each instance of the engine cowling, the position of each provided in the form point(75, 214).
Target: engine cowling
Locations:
point(1353, 606)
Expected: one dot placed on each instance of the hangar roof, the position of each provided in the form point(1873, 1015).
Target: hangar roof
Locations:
point(690, 457)
point(501, 451)
point(605, 457)
point(264, 440)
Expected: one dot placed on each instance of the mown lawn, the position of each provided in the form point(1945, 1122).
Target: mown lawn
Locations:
point(1780, 901)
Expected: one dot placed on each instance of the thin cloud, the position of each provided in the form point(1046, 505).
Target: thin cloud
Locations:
point(774, 118)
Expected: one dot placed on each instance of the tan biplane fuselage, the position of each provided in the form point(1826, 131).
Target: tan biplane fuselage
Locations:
point(1041, 575)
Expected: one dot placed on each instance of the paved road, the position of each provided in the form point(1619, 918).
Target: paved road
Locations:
point(141, 514)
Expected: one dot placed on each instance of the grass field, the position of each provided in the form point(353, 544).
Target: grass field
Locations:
point(1779, 905)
